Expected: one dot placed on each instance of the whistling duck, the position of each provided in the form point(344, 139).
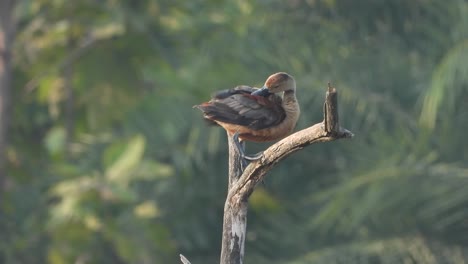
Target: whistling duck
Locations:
point(255, 114)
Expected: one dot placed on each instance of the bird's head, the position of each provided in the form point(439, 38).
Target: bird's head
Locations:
point(278, 82)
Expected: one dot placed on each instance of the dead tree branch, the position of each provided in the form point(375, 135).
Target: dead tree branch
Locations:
point(184, 259)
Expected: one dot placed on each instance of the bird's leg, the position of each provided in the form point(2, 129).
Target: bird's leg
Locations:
point(240, 147)
point(244, 158)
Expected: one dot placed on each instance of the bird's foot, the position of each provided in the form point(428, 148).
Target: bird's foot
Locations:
point(254, 157)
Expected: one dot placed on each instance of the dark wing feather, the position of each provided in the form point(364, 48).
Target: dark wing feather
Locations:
point(241, 89)
point(237, 106)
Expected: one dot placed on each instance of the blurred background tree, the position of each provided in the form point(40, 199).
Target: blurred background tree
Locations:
point(107, 162)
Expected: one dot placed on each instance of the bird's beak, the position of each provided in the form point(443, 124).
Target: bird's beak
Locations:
point(262, 92)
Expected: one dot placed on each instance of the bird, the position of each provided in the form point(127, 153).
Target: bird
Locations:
point(254, 114)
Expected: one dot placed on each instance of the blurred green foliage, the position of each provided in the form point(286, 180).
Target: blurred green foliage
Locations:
point(125, 171)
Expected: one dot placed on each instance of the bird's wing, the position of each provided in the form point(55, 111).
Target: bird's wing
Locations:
point(238, 106)
point(241, 89)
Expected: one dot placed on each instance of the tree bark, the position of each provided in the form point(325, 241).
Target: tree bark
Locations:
point(234, 221)
point(235, 171)
point(243, 183)
point(7, 31)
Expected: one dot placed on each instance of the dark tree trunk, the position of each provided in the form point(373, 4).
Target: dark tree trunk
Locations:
point(7, 31)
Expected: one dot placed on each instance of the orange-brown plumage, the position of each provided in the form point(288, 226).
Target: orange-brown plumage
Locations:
point(257, 115)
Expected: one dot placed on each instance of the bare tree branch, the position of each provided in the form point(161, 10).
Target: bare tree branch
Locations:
point(184, 259)
point(68, 71)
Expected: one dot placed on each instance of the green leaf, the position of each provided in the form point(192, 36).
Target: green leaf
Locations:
point(55, 140)
point(122, 169)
